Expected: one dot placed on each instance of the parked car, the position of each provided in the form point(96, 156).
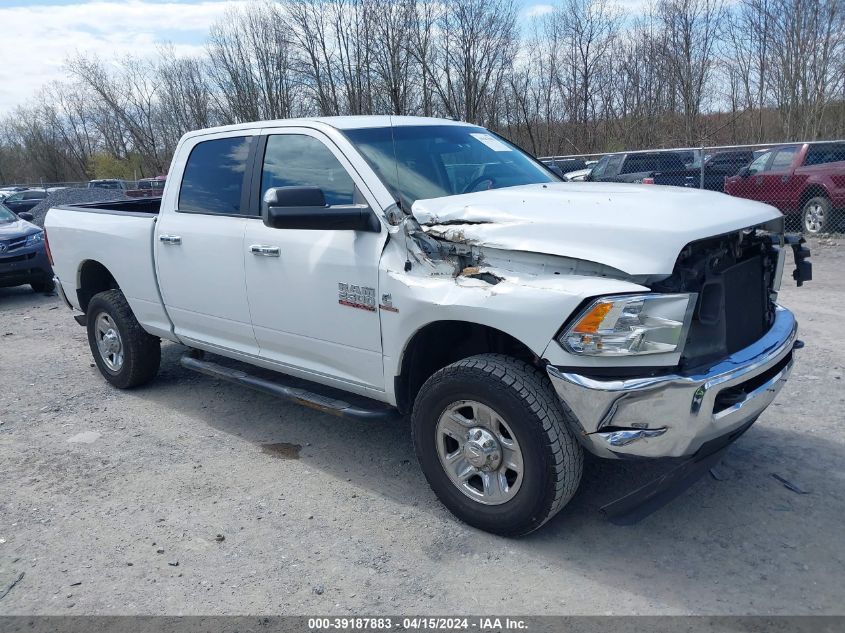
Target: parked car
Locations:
point(664, 168)
point(148, 188)
point(728, 162)
point(637, 167)
point(717, 168)
point(805, 182)
point(108, 183)
point(23, 258)
point(690, 157)
point(578, 175)
point(10, 190)
point(24, 200)
point(565, 165)
point(516, 319)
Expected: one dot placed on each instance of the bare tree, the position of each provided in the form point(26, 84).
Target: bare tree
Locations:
point(588, 76)
point(693, 29)
point(392, 61)
point(807, 49)
point(748, 43)
point(311, 30)
point(475, 49)
point(186, 101)
point(583, 34)
point(129, 99)
point(250, 53)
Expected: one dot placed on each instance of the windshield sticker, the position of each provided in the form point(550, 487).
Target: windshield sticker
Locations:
point(492, 142)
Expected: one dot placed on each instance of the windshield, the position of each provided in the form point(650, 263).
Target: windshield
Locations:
point(433, 161)
point(6, 215)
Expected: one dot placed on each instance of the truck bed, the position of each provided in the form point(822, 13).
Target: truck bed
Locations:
point(116, 236)
point(143, 207)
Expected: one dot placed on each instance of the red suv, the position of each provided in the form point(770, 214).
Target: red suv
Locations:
point(806, 179)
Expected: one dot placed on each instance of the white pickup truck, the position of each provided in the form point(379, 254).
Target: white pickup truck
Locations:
point(423, 267)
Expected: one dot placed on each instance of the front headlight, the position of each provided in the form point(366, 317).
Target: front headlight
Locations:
point(35, 238)
point(628, 325)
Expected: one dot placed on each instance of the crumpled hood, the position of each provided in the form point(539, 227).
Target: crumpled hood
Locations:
point(638, 229)
point(19, 228)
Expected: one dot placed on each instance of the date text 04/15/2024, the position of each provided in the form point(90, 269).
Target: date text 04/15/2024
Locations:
point(422, 623)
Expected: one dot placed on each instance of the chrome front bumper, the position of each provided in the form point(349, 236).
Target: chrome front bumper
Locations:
point(674, 415)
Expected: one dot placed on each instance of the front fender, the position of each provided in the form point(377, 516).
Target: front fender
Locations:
point(529, 308)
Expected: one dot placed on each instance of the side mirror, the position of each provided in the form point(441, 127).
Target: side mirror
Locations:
point(306, 208)
point(294, 197)
point(744, 172)
point(23, 215)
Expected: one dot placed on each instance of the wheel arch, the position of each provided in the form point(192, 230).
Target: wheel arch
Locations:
point(440, 343)
point(814, 190)
point(93, 278)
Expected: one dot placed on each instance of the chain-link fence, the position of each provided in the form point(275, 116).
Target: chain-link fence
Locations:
point(804, 181)
point(20, 186)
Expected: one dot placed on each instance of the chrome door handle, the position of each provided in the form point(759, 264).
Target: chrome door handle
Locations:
point(266, 251)
point(170, 239)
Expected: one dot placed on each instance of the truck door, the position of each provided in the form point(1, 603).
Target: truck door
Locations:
point(749, 186)
point(199, 242)
point(313, 294)
point(774, 184)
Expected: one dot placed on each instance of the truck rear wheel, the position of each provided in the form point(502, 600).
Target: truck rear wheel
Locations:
point(493, 444)
point(125, 354)
point(815, 217)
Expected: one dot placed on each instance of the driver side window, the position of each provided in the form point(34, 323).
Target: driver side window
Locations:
point(783, 159)
point(759, 163)
point(297, 160)
point(600, 167)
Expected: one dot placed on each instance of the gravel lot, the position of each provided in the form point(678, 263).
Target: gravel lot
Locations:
point(112, 502)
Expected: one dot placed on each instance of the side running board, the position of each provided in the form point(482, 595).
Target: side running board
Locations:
point(377, 412)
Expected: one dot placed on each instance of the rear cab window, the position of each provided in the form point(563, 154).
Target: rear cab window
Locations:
point(213, 181)
point(825, 153)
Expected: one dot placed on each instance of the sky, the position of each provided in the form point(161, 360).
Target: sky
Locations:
point(37, 36)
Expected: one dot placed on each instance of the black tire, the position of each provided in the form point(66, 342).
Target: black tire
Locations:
point(141, 352)
point(816, 216)
point(43, 286)
point(523, 397)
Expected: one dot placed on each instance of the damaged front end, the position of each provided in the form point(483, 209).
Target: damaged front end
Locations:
point(738, 355)
point(737, 352)
point(444, 249)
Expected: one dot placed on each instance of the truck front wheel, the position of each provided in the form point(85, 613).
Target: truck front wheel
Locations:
point(125, 354)
point(493, 444)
